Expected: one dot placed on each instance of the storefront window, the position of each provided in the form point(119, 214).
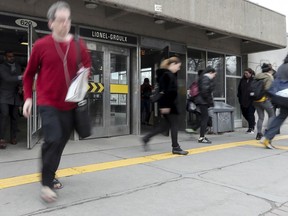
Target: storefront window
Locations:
point(196, 61)
point(233, 65)
point(232, 99)
point(216, 61)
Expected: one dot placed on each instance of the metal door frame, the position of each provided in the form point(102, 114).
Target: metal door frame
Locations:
point(107, 130)
point(33, 121)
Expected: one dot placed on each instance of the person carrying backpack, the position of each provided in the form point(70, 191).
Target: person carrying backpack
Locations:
point(264, 103)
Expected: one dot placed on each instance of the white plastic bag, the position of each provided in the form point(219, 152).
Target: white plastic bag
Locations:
point(78, 86)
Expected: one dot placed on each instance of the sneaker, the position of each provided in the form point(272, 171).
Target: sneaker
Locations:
point(48, 195)
point(250, 131)
point(179, 151)
point(204, 140)
point(267, 143)
point(259, 136)
point(190, 130)
point(145, 143)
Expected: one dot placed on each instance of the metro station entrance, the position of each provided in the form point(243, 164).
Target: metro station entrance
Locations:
point(108, 96)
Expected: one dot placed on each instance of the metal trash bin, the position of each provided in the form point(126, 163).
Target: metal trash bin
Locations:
point(222, 117)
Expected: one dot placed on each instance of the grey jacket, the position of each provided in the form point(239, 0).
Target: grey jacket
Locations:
point(10, 82)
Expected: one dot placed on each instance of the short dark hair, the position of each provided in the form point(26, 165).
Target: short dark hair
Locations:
point(8, 51)
point(200, 72)
point(266, 67)
point(209, 69)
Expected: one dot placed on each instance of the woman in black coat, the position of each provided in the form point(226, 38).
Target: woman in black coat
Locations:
point(205, 100)
point(167, 103)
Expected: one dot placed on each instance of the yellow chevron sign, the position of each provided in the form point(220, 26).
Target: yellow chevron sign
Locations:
point(95, 87)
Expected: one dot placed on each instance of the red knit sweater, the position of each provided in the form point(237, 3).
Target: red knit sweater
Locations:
point(51, 85)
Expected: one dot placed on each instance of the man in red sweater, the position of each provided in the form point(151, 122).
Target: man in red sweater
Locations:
point(51, 57)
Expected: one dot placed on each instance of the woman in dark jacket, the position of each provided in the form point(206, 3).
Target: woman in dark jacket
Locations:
point(167, 104)
point(205, 100)
point(245, 101)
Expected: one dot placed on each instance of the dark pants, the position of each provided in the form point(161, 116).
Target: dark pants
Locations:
point(57, 127)
point(6, 111)
point(204, 119)
point(145, 110)
point(248, 113)
point(168, 121)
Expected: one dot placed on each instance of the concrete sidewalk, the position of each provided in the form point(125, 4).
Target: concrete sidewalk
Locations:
point(233, 176)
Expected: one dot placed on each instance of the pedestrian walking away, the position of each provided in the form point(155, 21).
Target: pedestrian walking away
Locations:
point(167, 104)
point(54, 55)
point(264, 103)
point(205, 100)
point(10, 101)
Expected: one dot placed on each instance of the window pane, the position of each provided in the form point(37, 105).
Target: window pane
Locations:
point(216, 61)
point(232, 99)
point(233, 65)
point(196, 60)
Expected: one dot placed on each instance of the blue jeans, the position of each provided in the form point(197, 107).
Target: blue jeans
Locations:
point(275, 125)
point(260, 108)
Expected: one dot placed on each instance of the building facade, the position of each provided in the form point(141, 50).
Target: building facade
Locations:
point(128, 40)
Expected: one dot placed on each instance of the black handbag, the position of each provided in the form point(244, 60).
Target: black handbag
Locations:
point(82, 120)
point(82, 123)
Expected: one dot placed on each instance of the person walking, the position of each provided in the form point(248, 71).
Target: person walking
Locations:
point(146, 90)
point(10, 85)
point(51, 57)
point(205, 100)
point(166, 78)
point(264, 104)
point(245, 101)
point(276, 123)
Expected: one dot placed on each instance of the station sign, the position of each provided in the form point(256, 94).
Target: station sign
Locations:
point(107, 36)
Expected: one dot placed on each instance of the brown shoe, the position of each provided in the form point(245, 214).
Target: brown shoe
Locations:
point(2, 144)
point(13, 141)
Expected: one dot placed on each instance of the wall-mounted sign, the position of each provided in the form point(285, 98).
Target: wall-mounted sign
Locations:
point(25, 23)
point(107, 36)
point(157, 8)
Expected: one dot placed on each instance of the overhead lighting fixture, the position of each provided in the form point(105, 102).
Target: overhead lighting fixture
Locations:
point(245, 41)
point(159, 21)
point(210, 33)
point(90, 4)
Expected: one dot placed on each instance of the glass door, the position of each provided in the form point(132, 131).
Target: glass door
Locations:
point(34, 121)
point(108, 95)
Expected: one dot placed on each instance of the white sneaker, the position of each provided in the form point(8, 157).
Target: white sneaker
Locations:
point(250, 131)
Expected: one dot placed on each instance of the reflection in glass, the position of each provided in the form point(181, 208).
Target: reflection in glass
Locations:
point(196, 60)
point(118, 102)
point(216, 61)
point(233, 65)
point(232, 99)
point(95, 100)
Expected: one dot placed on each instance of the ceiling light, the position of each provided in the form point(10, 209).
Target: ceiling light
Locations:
point(159, 21)
point(90, 4)
point(210, 33)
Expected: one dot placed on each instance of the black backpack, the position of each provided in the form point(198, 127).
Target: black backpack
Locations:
point(256, 90)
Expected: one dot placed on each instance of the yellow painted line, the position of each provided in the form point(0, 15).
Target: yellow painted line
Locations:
point(32, 178)
point(118, 89)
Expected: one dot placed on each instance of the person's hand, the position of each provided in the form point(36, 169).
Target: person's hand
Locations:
point(165, 110)
point(27, 107)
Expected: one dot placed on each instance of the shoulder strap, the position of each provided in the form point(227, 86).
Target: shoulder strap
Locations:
point(78, 51)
